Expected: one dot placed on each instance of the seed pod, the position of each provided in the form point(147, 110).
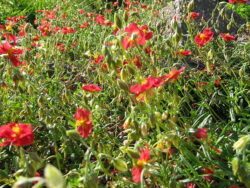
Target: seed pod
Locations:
point(124, 75)
point(118, 21)
point(120, 164)
point(125, 16)
point(40, 102)
point(122, 85)
point(190, 6)
point(144, 130)
point(132, 153)
point(131, 70)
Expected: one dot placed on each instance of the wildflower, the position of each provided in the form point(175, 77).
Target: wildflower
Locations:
point(137, 62)
point(115, 4)
point(97, 59)
point(227, 37)
point(208, 172)
point(173, 75)
point(84, 25)
point(101, 20)
point(190, 185)
point(150, 82)
point(136, 36)
point(91, 87)
point(140, 164)
point(83, 122)
point(183, 52)
point(45, 29)
point(10, 37)
point(67, 30)
point(203, 38)
point(193, 15)
point(7, 48)
point(18, 134)
point(237, 1)
point(201, 133)
point(82, 11)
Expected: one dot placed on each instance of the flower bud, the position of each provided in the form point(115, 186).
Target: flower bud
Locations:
point(190, 6)
point(120, 164)
point(241, 143)
point(122, 85)
point(132, 153)
point(125, 16)
point(118, 21)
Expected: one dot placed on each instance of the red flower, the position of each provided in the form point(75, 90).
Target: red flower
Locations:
point(67, 30)
point(7, 48)
point(83, 122)
point(227, 37)
point(45, 29)
point(101, 20)
point(208, 172)
point(183, 52)
point(190, 185)
point(82, 11)
point(91, 87)
point(201, 133)
point(137, 62)
point(193, 15)
point(173, 75)
point(84, 25)
point(97, 59)
point(237, 1)
point(10, 37)
point(141, 162)
point(16, 133)
point(136, 36)
point(115, 4)
point(151, 82)
point(203, 38)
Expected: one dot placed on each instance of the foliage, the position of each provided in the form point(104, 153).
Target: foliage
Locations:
point(167, 110)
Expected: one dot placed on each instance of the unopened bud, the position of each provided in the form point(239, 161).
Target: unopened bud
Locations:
point(120, 164)
point(122, 85)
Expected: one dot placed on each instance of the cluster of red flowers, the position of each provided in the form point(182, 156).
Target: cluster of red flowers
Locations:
point(18, 134)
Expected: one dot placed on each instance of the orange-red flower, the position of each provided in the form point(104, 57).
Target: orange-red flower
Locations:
point(201, 133)
point(137, 62)
point(193, 15)
point(7, 48)
point(84, 25)
point(67, 30)
point(83, 122)
point(190, 185)
point(237, 1)
point(91, 87)
point(136, 36)
point(173, 75)
point(208, 172)
point(203, 38)
point(227, 37)
point(140, 163)
point(101, 20)
point(18, 134)
point(151, 82)
point(183, 52)
point(45, 29)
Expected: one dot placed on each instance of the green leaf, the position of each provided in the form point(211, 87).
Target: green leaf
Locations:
point(53, 177)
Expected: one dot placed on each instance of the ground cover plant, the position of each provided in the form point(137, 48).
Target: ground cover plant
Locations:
point(100, 95)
